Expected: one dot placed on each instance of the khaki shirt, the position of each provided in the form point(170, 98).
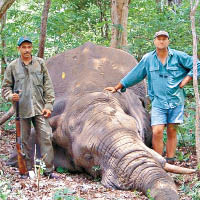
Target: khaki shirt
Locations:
point(33, 82)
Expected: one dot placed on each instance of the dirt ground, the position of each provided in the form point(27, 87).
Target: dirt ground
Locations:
point(74, 186)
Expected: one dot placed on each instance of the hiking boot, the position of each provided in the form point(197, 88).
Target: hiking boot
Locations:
point(170, 160)
point(24, 176)
point(51, 175)
point(29, 174)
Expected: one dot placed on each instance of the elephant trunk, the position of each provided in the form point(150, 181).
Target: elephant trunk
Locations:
point(152, 180)
point(162, 190)
point(132, 167)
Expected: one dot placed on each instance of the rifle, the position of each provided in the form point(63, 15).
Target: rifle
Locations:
point(20, 156)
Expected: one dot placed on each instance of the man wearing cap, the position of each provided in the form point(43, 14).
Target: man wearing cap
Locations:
point(167, 71)
point(29, 75)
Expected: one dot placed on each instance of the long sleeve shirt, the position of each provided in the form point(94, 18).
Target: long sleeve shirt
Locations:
point(33, 82)
point(163, 80)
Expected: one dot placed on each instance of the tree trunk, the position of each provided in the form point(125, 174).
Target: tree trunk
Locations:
point(194, 5)
point(43, 29)
point(4, 5)
point(119, 15)
point(3, 45)
point(104, 29)
point(176, 2)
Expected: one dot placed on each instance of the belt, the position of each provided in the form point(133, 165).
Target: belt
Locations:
point(163, 76)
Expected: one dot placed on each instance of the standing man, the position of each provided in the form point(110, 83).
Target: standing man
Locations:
point(29, 75)
point(167, 71)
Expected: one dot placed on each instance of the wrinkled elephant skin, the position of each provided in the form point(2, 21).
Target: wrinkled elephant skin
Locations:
point(103, 133)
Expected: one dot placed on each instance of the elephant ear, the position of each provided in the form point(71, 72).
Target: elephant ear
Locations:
point(134, 106)
point(140, 90)
point(59, 107)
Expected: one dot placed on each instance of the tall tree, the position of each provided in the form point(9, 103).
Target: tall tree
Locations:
point(162, 3)
point(3, 46)
point(194, 5)
point(119, 15)
point(104, 29)
point(177, 2)
point(43, 28)
point(4, 5)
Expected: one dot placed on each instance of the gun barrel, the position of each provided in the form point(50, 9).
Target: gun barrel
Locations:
point(20, 157)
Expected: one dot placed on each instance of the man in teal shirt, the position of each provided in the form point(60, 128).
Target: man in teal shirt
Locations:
point(167, 71)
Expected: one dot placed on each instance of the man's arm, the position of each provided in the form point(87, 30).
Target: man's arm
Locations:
point(7, 86)
point(137, 74)
point(187, 62)
point(186, 80)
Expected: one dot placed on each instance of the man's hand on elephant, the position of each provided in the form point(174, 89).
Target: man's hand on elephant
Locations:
point(46, 113)
point(15, 97)
point(111, 89)
point(114, 89)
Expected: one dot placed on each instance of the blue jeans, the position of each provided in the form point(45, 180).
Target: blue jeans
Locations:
point(166, 116)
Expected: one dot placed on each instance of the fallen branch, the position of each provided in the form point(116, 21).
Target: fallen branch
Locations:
point(7, 115)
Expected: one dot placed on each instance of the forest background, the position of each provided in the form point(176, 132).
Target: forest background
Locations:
point(72, 23)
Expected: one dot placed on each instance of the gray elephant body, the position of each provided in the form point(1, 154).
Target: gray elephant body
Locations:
point(94, 128)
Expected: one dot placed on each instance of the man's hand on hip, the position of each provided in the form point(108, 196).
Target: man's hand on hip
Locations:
point(185, 81)
point(46, 113)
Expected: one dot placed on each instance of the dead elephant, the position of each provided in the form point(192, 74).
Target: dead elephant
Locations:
point(94, 128)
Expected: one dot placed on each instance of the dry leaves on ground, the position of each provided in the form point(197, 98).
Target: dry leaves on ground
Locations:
point(73, 186)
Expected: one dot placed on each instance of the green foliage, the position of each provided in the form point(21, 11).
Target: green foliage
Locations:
point(40, 166)
point(194, 193)
point(145, 19)
point(62, 170)
point(23, 18)
point(72, 23)
point(186, 131)
point(183, 157)
point(198, 167)
point(4, 107)
point(65, 194)
point(96, 168)
point(96, 173)
point(149, 195)
point(5, 187)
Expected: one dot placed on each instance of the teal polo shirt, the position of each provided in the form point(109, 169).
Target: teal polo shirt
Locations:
point(163, 80)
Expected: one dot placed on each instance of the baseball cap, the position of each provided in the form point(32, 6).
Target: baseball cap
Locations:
point(161, 33)
point(23, 39)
